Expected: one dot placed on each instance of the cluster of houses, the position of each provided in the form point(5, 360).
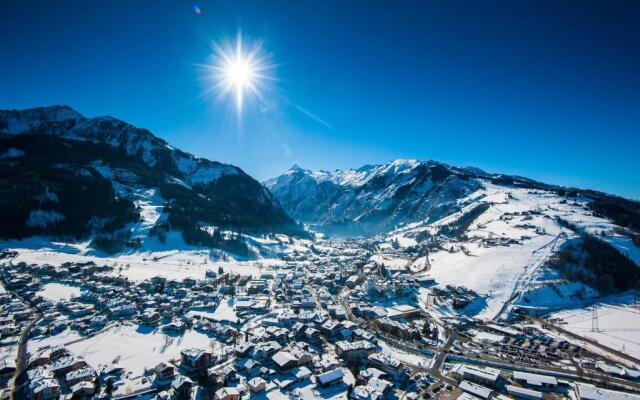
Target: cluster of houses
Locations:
point(313, 327)
point(281, 334)
point(15, 315)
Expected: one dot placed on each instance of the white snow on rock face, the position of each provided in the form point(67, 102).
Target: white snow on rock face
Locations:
point(42, 218)
point(30, 119)
point(204, 175)
point(67, 123)
point(373, 198)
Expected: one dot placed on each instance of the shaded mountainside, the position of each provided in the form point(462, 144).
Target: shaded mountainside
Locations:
point(378, 198)
point(65, 175)
point(372, 199)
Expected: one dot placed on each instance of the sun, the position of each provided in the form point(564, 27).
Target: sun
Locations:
point(237, 70)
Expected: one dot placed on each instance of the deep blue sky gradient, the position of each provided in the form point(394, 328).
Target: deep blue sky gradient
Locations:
point(544, 89)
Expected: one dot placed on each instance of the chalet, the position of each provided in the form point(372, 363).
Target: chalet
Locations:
point(353, 351)
point(284, 360)
point(150, 317)
point(312, 334)
point(248, 366)
point(82, 389)
point(330, 378)
point(194, 359)
point(46, 389)
point(67, 364)
point(164, 371)
point(265, 350)
point(79, 375)
point(302, 356)
point(331, 328)
point(385, 362)
point(243, 348)
point(227, 393)
point(361, 334)
point(182, 386)
point(257, 385)
point(327, 363)
point(301, 374)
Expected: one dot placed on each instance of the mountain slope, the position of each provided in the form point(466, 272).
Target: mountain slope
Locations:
point(514, 248)
point(372, 199)
point(65, 175)
point(378, 198)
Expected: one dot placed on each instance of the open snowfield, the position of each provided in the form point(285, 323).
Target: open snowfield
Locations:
point(224, 312)
point(56, 292)
point(64, 337)
point(515, 272)
point(136, 347)
point(625, 246)
point(420, 361)
point(618, 322)
point(154, 259)
point(494, 272)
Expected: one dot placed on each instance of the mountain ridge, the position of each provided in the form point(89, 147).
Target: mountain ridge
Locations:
point(57, 151)
point(325, 199)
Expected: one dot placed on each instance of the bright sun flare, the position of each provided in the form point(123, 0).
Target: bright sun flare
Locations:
point(236, 71)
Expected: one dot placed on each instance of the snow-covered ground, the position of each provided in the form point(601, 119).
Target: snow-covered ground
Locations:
point(8, 354)
point(173, 259)
point(618, 323)
point(521, 230)
point(625, 246)
point(56, 292)
point(63, 337)
point(136, 347)
point(420, 361)
point(224, 312)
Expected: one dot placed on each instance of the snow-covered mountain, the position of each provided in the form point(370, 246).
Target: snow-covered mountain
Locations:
point(490, 244)
point(517, 248)
point(379, 198)
point(65, 175)
point(373, 198)
point(65, 122)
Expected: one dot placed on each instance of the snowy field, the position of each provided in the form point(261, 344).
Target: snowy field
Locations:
point(56, 292)
point(64, 337)
point(513, 271)
point(153, 260)
point(224, 312)
point(499, 273)
point(420, 361)
point(136, 347)
point(618, 323)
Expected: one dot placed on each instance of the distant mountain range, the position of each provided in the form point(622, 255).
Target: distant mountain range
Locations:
point(68, 176)
point(375, 199)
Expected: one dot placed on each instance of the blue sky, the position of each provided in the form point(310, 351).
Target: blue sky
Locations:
point(548, 90)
